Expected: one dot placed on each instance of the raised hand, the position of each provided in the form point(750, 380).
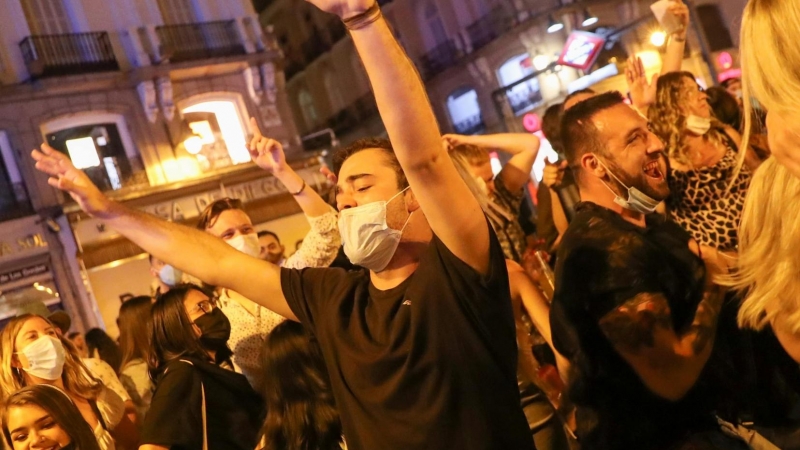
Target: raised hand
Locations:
point(64, 176)
point(343, 8)
point(328, 174)
point(643, 94)
point(266, 153)
point(453, 140)
point(681, 11)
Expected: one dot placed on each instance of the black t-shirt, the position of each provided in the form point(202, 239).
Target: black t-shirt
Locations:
point(234, 411)
point(429, 364)
point(603, 261)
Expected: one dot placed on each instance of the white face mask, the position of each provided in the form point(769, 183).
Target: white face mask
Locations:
point(45, 357)
point(246, 243)
point(637, 200)
point(698, 125)
point(368, 240)
point(170, 275)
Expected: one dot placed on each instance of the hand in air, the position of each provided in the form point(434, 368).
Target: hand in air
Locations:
point(553, 174)
point(328, 174)
point(643, 94)
point(453, 140)
point(266, 153)
point(681, 11)
point(64, 176)
point(345, 9)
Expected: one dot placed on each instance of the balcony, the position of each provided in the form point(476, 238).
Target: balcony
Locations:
point(491, 26)
point(470, 125)
point(347, 119)
point(440, 58)
point(197, 41)
point(68, 54)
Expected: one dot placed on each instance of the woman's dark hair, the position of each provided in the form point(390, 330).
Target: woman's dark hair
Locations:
point(725, 106)
point(551, 126)
point(107, 349)
point(134, 329)
point(172, 334)
point(301, 412)
point(60, 408)
point(210, 214)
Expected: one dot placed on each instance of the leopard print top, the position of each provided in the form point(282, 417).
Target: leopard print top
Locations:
point(699, 203)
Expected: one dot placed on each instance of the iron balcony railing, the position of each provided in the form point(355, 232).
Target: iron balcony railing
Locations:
point(196, 41)
point(68, 54)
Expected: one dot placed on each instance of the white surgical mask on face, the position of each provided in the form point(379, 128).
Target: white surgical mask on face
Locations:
point(637, 200)
point(46, 358)
point(247, 244)
point(170, 275)
point(368, 240)
point(698, 125)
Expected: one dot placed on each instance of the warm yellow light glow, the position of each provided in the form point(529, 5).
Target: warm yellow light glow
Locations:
point(540, 62)
point(230, 125)
point(203, 130)
point(83, 153)
point(658, 38)
point(193, 145)
point(650, 59)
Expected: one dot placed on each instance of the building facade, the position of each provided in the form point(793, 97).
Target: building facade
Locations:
point(487, 64)
point(152, 99)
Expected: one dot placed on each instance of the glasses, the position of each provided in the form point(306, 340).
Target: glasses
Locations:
point(206, 306)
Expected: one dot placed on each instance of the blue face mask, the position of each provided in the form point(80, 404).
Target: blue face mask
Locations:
point(170, 275)
point(637, 200)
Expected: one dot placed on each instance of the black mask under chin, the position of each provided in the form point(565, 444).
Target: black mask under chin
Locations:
point(215, 329)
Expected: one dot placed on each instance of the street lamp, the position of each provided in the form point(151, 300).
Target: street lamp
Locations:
point(588, 18)
point(658, 38)
point(552, 25)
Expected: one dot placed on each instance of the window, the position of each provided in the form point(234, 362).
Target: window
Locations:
point(524, 96)
point(46, 16)
point(13, 197)
point(465, 111)
point(308, 109)
point(176, 12)
point(219, 121)
point(334, 92)
point(433, 26)
point(98, 150)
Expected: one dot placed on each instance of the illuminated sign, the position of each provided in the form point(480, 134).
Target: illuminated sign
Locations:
point(532, 122)
point(581, 50)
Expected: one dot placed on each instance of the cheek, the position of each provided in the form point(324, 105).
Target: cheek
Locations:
point(57, 434)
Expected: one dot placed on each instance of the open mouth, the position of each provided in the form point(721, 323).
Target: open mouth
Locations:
point(653, 170)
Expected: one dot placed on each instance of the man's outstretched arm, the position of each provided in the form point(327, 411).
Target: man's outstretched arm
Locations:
point(193, 251)
point(453, 213)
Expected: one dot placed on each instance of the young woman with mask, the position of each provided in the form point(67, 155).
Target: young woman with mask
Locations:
point(706, 189)
point(134, 340)
point(199, 402)
point(44, 417)
point(301, 412)
point(33, 353)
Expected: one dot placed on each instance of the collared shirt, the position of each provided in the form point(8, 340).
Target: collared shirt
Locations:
point(250, 329)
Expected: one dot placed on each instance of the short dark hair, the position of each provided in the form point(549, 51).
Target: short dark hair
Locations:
point(578, 133)
point(551, 126)
point(367, 144)
point(725, 107)
point(171, 333)
point(587, 91)
point(263, 233)
point(210, 214)
point(727, 83)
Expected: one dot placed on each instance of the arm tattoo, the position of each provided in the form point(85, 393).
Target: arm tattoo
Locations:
point(630, 326)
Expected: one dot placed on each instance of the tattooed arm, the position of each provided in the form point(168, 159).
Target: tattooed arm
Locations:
point(669, 362)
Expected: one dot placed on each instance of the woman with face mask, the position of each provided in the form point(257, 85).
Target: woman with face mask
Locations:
point(34, 353)
point(44, 417)
point(199, 402)
point(706, 188)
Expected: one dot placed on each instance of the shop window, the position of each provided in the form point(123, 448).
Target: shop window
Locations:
point(465, 111)
point(15, 298)
point(220, 123)
point(46, 16)
point(13, 196)
point(526, 95)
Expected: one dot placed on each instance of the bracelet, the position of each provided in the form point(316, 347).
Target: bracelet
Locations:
point(359, 21)
point(300, 191)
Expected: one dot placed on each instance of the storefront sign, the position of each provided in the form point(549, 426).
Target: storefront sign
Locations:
point(21, 237)
point(15, 275)
point(581, 50)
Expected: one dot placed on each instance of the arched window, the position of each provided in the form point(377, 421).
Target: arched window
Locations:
point(465, 111)
point(46, 16)
point(524, 96)
point(308, 109)
point(334, 91)
point(175, 12)
point(433, 27)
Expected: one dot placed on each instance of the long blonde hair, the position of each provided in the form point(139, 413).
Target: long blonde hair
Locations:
point(768, 267)
point(669, 121)
point(770, 58)
point(76, 377)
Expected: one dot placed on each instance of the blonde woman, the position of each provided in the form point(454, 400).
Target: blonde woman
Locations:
point(769, 253)
point(32, 353)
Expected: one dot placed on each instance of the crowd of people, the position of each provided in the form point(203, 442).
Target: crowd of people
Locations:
point(419, 314)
